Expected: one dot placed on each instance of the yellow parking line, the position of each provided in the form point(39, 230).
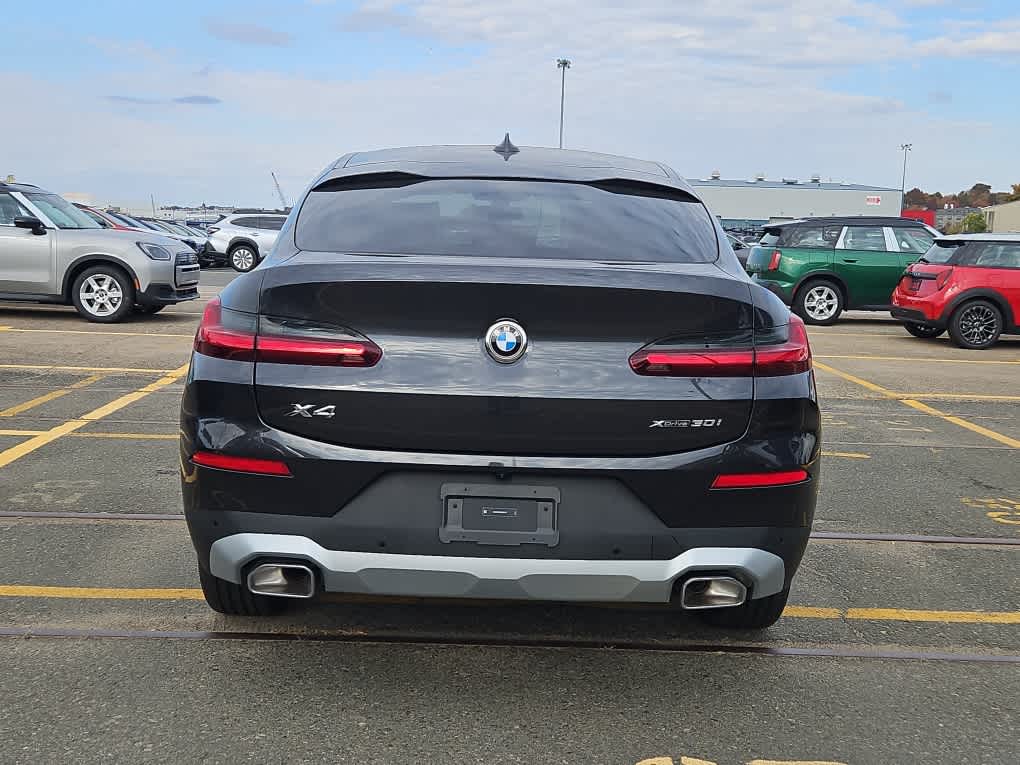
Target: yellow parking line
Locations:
point(958, 396)
point(138, 436)
point(796, 612)
point(973, 427)
point(94, 332)
point(987, 433)
point(945, 617)
point(854, 379)
point(806, 612)
point(7, 456)
point(128, 436)
point(110, 370)
point(848, 455)
point(922, 358)
point(112, 593)
point(50, 396)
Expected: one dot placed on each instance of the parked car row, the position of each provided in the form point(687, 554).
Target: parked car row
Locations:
point(52, 251)
point(240, 240)
point(968, 284)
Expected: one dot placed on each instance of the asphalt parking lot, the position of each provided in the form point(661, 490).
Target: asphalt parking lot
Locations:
point(901, 643)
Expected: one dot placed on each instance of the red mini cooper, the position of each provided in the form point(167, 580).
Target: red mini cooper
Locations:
point(968, 284)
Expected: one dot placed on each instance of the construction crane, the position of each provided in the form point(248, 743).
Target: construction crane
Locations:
point(279, 191)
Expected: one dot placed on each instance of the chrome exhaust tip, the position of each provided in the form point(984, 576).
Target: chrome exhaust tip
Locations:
point(701, 592)
point(282, 580)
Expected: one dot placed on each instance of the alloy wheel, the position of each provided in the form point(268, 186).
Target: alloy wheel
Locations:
point(820, 302)
point(243, 259)
point(101, 294)
point(979, 325)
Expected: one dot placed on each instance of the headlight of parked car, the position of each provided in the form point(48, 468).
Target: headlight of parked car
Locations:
point(154, 251)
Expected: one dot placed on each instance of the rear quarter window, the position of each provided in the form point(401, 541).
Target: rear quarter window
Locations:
point(506, 219)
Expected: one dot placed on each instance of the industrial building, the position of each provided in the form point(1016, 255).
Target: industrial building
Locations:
point(743, 204)
point(1003, 218)
point(953, 216)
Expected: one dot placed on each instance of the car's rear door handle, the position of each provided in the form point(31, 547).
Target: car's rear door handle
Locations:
point(848, 260)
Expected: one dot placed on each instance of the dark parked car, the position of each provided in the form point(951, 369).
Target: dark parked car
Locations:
point(522, 373)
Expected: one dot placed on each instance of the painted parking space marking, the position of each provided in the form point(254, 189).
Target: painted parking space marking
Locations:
point(999, 509)
point(50, 396)
point(919, 359)
point(108, 370)
point(94, 332)
point(921, 407)
point(685, 760)
point(13, 453)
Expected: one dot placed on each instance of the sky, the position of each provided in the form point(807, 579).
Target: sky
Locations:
point(198, 101)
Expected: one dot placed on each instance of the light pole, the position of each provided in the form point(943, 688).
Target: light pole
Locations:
point(904, 147)
point(563, 64)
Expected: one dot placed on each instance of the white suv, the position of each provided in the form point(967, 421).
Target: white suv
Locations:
point(245, 238)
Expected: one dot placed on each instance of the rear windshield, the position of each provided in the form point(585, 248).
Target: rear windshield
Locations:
point(942, 252)
point(507, 219)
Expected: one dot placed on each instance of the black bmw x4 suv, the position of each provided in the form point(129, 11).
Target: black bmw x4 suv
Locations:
point(503, 374)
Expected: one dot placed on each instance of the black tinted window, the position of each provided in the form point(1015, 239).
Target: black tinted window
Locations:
point(246, 222)
point(271, 224)
point(864, 238)
point(996, 255)
point(508, 219)
point(804, 236)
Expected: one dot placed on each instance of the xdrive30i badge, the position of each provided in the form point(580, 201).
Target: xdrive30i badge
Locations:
point(686, 423)
point(506, 341)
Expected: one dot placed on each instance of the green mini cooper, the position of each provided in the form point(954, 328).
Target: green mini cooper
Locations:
point(821, 267)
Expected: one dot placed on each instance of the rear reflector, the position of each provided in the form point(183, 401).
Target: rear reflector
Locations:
point(788, 358)
point(240, 464)
point(754, 480)
point(228, 334)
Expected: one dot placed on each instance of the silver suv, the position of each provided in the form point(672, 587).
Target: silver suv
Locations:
point(245, 238)
point(52, 252)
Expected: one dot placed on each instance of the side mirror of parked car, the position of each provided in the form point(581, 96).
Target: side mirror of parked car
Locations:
point(30, 221)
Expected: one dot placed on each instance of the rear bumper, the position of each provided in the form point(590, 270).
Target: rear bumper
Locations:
point(629, 581)
point(916, 310)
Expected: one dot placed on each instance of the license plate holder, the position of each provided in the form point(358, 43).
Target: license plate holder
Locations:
point(500, 514)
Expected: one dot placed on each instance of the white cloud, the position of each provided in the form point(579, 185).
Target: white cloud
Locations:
point(740, 87)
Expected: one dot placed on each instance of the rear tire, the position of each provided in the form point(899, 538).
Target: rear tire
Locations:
point(976, 325)
point(103, 293)
point(819, 302)
point(922, 331)
point(753, 615)
point(235, 600)
point(243, 258)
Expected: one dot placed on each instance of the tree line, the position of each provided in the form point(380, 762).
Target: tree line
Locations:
point(978, 195)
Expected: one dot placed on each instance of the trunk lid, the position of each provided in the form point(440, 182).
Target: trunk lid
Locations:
point(436, 388)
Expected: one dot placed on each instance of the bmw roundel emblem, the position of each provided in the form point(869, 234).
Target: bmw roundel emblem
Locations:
point(506, 341)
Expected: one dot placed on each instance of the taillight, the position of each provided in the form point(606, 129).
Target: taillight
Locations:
point(323, 353)
point(241, 464)
point(691, 363)
point(943, 278)
point(238, 336)
point(759, 480)
point(212, 229)
point(226, 334)
point(786, 357)
point(774, 261)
